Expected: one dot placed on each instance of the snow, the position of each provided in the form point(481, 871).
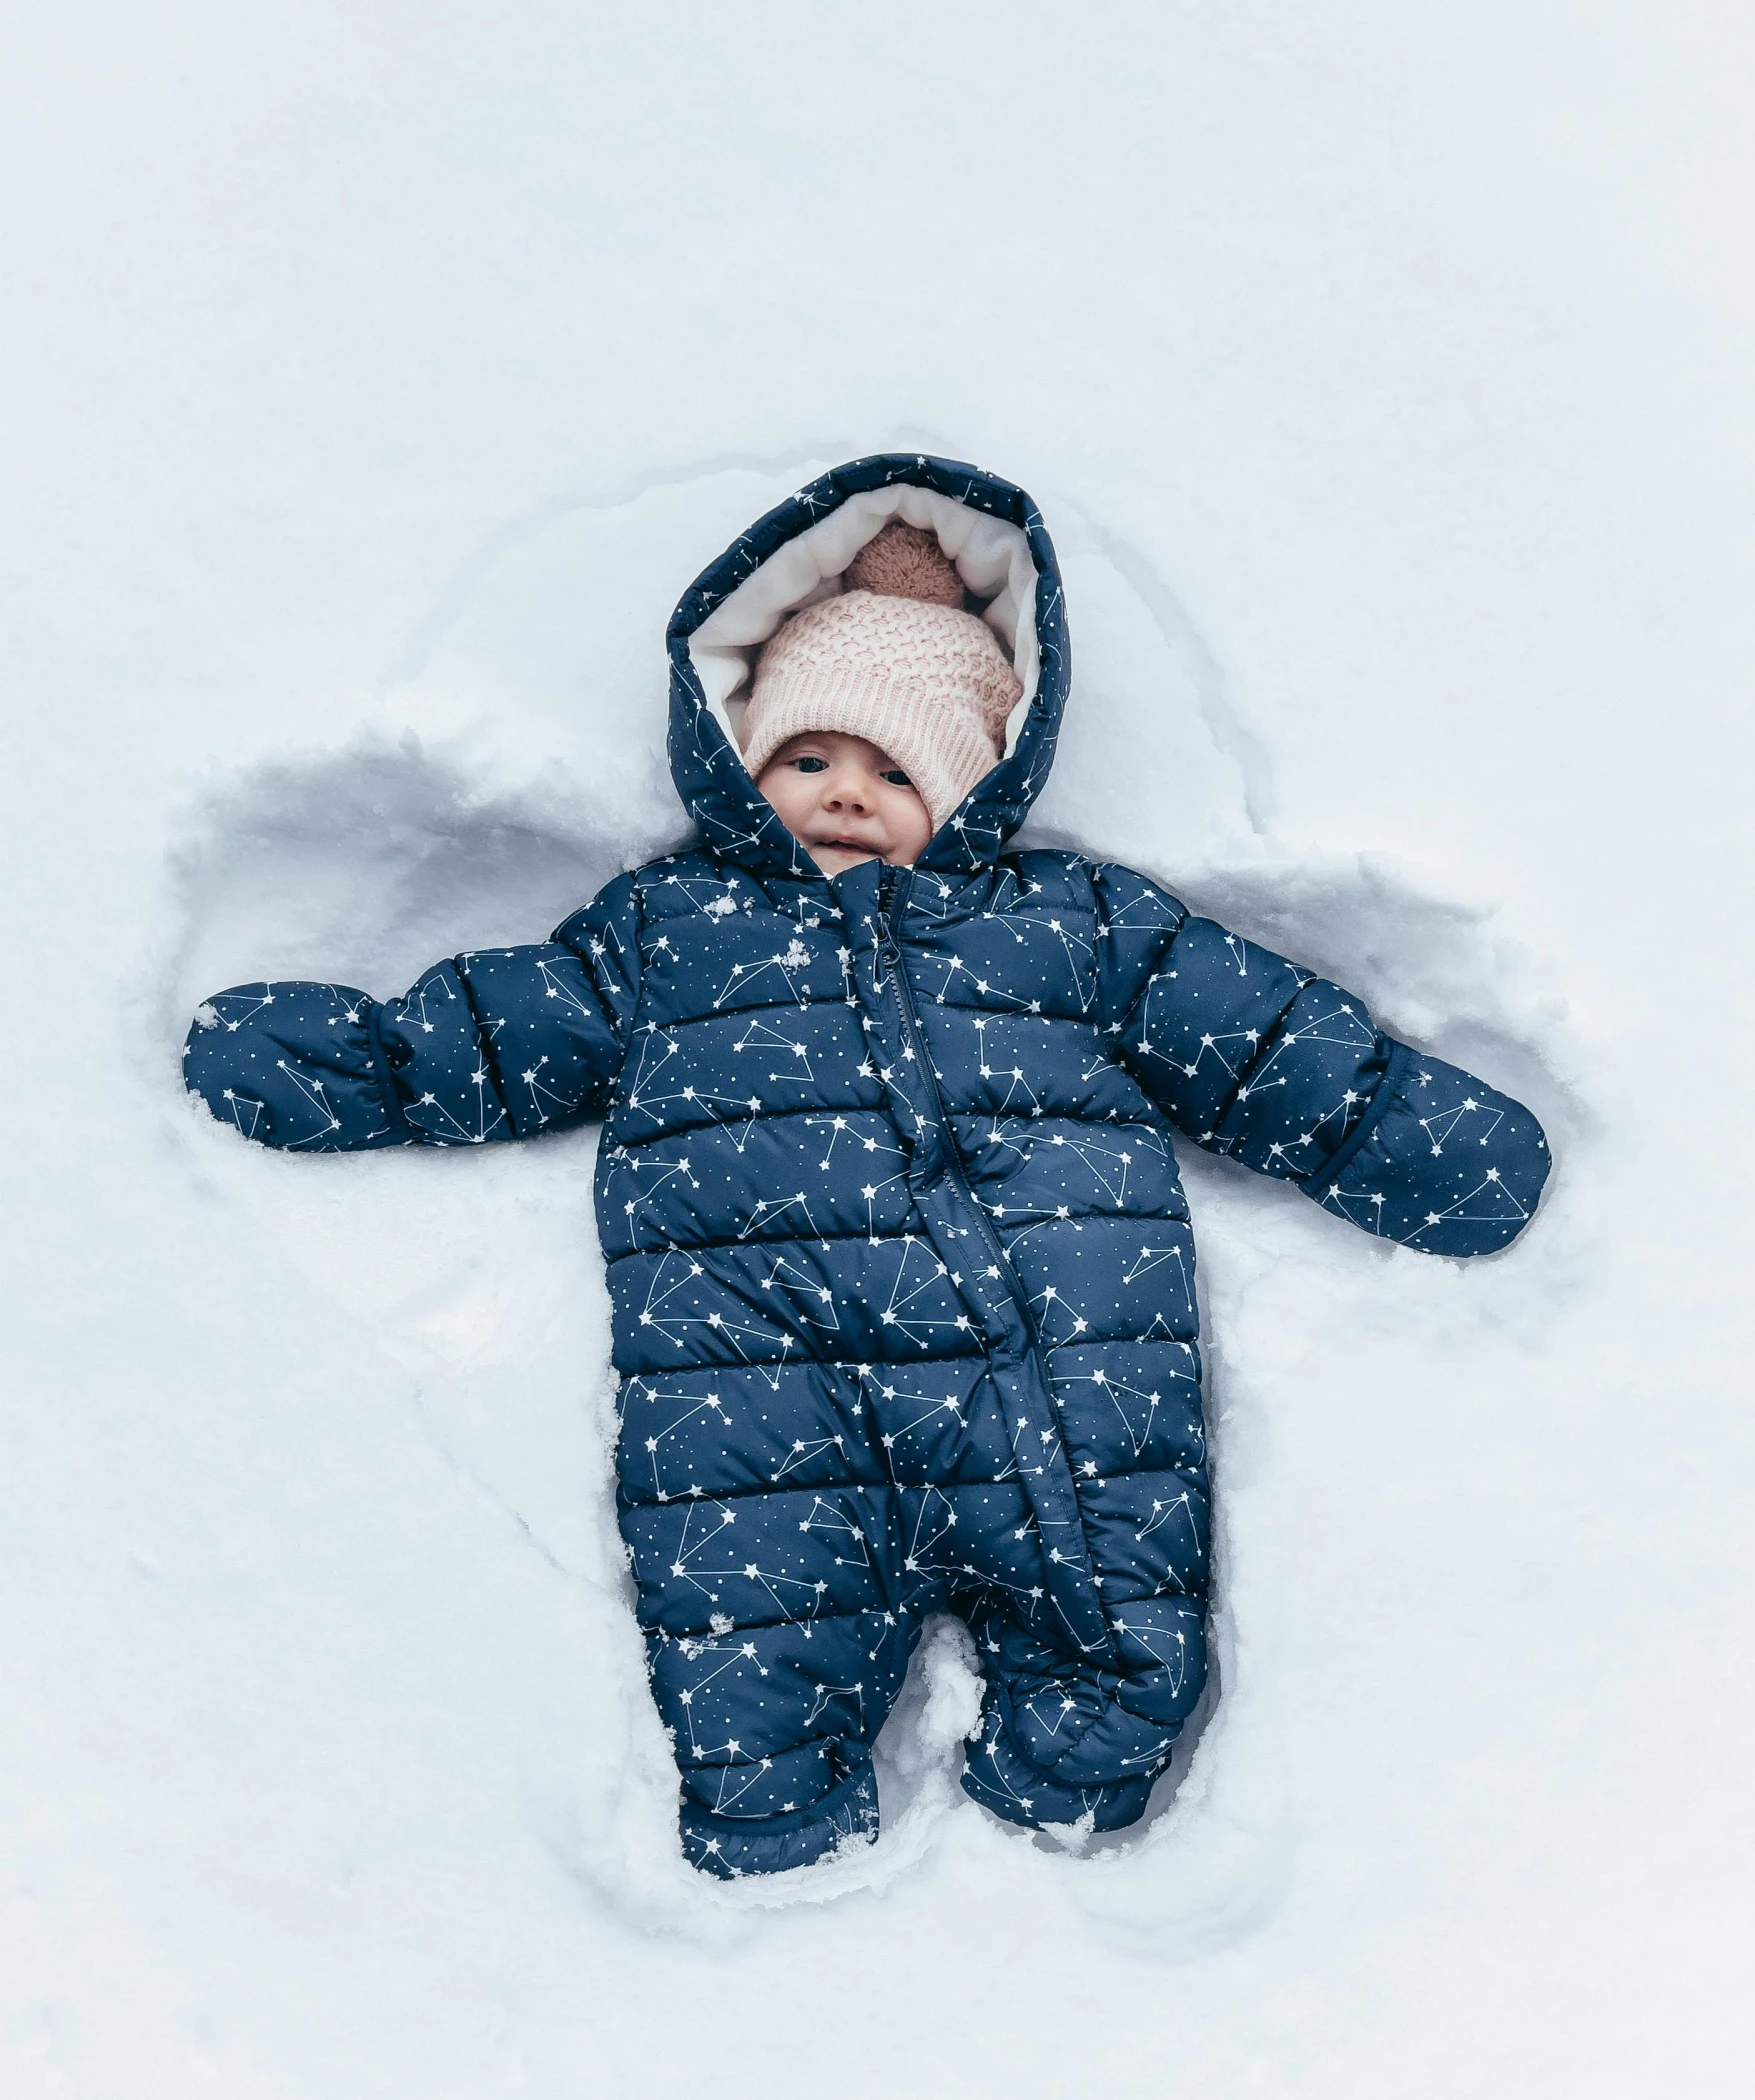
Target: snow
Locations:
point(376, 379)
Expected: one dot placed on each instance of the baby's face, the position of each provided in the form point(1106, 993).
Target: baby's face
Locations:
point(846, 801)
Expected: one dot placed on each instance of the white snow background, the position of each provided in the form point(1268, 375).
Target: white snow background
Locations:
point(373, 379)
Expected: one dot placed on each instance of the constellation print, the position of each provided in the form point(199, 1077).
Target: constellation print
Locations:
point(764, 1038)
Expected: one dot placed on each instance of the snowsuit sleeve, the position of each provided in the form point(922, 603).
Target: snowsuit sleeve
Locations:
point(500, 1043)
point(1253, 1057)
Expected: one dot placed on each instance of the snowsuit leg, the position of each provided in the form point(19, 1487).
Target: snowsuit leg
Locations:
point(777, 1620)
point(1074, 1727)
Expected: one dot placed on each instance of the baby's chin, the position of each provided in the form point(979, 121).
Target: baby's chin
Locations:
point(836, 860)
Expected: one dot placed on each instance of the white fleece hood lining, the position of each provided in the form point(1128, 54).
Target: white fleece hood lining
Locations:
point(992, 557)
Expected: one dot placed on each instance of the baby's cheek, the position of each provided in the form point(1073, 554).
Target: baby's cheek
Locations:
point(780, 784)
point(910, 827)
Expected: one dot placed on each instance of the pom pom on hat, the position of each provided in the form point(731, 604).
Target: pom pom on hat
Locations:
point(895, 659)
point(905, 562)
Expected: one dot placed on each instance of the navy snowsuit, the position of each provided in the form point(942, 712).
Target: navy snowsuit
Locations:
point(901, 1268)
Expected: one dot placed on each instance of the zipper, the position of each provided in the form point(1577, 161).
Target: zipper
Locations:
point(893, 888)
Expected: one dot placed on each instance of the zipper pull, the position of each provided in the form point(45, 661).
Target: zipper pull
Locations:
point(889, 955)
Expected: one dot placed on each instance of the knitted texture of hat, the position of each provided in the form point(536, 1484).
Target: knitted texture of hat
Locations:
point(926, 682)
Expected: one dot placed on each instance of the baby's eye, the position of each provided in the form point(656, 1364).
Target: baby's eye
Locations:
point(811, 765)
point(896, 777)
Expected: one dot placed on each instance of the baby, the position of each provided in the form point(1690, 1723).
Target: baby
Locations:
point(900, 1263)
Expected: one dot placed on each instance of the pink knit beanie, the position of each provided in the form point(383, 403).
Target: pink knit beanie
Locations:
point(895, 659)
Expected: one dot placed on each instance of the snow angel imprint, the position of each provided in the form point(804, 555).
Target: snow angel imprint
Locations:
point(902, 1275)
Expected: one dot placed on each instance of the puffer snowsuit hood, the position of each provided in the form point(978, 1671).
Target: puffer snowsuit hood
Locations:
point(901, 1268)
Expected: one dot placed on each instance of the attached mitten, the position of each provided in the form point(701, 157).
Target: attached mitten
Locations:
point(1441, 1161)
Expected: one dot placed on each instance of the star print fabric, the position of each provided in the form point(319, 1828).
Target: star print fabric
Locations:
point(900, 1265)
